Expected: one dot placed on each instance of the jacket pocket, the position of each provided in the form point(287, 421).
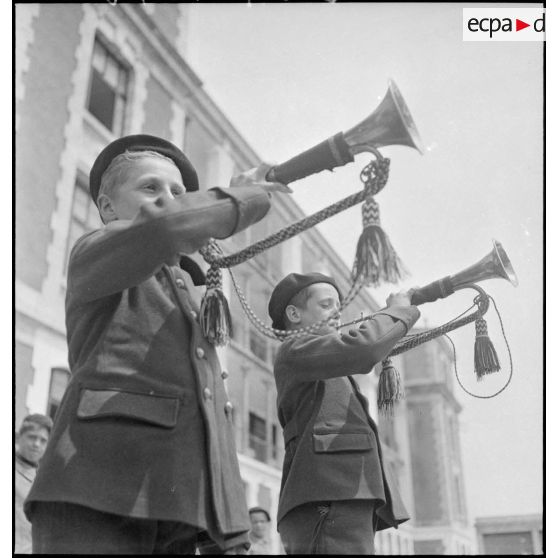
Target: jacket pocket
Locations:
point(345, 441)
point(153, 409)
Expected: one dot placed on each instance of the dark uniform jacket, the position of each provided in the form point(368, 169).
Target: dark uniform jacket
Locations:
point(332, 448)
point(145, 428)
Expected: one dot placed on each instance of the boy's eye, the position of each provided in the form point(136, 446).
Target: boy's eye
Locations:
point(149, 187)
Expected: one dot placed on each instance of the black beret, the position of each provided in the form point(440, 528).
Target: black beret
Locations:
point(141, 142)
point(257, 509)
point(287, 288)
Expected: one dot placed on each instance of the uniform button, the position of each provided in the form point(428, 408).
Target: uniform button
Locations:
point(200, 353)
point(180, 283)
point(194, 315)
point(207, 393)
point(224, 374)
point(228, 407)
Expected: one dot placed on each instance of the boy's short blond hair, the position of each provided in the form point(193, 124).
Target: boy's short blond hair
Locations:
point(115, 172)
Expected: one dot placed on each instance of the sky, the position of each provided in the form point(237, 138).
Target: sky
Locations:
point(289, 76)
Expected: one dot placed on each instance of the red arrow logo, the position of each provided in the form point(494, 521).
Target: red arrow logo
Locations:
point(519, 25)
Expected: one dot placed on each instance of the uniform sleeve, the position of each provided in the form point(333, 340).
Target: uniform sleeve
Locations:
point(125, 253)
point(319, 357)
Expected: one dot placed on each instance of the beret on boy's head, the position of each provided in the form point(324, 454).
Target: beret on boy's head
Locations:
point(287, 288)
point(141, 142)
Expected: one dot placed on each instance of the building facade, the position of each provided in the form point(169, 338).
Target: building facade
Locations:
point(510, 534)
point(441, 524)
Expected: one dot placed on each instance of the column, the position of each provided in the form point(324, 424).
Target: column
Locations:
point(245, 418)
point(269, 419)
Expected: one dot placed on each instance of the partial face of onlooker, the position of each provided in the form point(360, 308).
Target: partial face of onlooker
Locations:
point(259, 524)
point(32, 443)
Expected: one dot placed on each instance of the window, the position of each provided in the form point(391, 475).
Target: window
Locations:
point(258, 344)
point(274, 448)
point(239, 319)
point(257, 438)
point(186, 137)
point(508, 543)
point(458, 501)
point(198, 144)
point(59, 379)
point(108, 87)
point(85, 216)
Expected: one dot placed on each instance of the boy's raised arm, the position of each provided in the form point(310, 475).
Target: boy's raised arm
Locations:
point(319, 357)
point(125, 253)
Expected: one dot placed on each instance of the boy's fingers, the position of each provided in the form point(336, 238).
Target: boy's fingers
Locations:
point(279, 187)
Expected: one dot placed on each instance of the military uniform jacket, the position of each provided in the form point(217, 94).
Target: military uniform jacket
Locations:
point(144, 428)
point(332, 448)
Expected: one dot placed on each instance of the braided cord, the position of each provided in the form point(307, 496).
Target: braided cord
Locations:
point(374, 176)
point(290, 231)
point(299, 332)
point(412, 341)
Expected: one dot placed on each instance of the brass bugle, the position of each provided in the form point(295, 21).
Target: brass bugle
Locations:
point(496, 264)
point(390, 124)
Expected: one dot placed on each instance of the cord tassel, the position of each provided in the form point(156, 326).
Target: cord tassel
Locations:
point(486, 359)
point(215, 316)
point(376, 259)
point(390, 388)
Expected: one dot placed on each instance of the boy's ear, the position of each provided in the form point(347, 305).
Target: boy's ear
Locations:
point(292, 314)
point(106, 209)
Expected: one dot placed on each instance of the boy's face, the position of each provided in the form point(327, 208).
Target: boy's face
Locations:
point(322, 303)
point(259, 524)
point(32, 443)
point(149, 181)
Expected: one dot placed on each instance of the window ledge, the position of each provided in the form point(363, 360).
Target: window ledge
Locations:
point(102, 133)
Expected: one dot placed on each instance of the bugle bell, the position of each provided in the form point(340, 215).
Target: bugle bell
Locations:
point(390, 124)
point(495, 264)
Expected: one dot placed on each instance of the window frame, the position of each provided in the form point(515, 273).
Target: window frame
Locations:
point(121, 90)
point(81, 184)
point(257, 443)
point(50, 402)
